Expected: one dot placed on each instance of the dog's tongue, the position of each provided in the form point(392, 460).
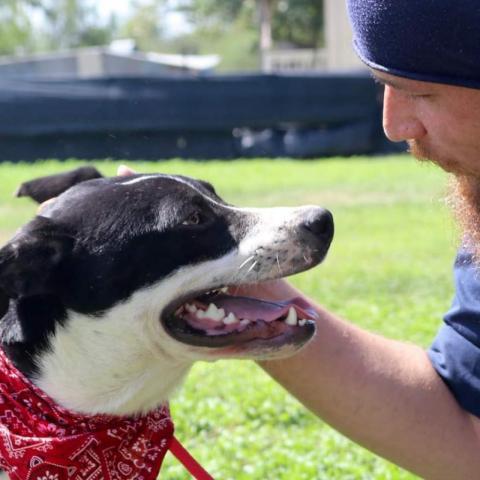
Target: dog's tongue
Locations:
point(253, 308)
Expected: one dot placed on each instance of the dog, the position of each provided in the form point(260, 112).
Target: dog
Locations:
point(110, 295)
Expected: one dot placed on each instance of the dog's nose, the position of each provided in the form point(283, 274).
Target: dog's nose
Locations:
point(320, 224)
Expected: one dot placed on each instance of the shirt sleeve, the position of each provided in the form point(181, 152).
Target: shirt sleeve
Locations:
point(455, 352)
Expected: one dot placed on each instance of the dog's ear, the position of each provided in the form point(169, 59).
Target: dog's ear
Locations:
point(43, 188)
point(30, 262)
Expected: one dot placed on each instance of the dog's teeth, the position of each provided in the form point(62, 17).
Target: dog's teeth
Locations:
point(200, 314)
point(302, 322)
point(244, 322)
point(231, 318)
point(191, 308)
point(224, 290)
point(291, 317)
point(215, 313)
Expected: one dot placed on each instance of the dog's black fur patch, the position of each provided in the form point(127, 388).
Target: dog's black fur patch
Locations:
point(98, 244)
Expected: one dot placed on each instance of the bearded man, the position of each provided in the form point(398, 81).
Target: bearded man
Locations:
point(418, 409)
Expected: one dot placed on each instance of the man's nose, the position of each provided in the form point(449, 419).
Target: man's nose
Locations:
point(400, 120)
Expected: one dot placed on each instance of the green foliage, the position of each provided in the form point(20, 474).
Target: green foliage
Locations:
point(298, 22)
point(73, 23)
point(237, 46)
point(60, 24)
point(15, 26)
point(388, 271)
point(226, 27)
point(144, 25)
point(206, 13)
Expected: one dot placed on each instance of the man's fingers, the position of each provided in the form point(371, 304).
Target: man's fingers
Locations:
point(124, 171)
point(45, 204)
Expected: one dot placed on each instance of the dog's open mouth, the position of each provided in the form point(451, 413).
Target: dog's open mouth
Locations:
point(217, 319)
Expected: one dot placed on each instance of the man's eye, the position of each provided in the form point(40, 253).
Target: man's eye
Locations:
point(194, 218)
point(421, 95)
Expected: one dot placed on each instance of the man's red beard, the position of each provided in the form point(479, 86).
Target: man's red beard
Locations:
point(463, 198)
point(423, 152)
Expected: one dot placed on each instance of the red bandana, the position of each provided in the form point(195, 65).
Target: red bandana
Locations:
point(42, 441)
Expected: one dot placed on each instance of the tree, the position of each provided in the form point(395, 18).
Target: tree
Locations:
point(209, 13)
point(299, 22)
point(265, 15)
point(296, 22)
point(15, 26)
point(145, 25)
point(59, 24)
point(74, 23)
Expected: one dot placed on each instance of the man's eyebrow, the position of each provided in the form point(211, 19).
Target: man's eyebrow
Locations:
point(389, 82)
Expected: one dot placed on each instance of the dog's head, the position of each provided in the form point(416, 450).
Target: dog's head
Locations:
point(143, 263)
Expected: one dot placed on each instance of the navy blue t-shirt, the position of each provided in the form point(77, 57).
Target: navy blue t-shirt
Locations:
point(455, 352)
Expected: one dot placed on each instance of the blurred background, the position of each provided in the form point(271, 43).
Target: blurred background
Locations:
point(202, 79)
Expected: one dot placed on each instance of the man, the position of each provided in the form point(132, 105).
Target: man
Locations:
point(420, 410)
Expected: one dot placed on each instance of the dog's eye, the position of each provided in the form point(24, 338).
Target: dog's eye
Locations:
point(194, 218)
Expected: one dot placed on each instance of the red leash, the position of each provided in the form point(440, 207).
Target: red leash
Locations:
point(195, 469)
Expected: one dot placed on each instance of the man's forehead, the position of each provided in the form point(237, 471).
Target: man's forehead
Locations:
point(406, 84)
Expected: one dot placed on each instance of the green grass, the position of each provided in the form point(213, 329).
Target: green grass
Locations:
point(389, 270)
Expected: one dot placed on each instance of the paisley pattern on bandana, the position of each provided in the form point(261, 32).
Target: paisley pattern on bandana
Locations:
point(41, 441)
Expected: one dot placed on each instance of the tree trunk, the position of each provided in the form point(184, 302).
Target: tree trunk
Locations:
point(265, 10)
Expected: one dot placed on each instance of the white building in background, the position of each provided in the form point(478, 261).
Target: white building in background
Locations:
point(338, 53)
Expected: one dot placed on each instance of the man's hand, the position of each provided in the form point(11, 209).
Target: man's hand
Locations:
point(43, 205)
point(124, 171)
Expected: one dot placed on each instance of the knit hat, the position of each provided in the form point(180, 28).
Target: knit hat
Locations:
point(428, 40)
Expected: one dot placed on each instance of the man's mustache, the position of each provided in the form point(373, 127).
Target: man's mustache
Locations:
point(424, 153)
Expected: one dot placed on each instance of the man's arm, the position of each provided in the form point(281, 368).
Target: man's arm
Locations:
point(383, 394)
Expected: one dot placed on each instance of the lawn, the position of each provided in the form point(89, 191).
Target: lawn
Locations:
point(389, 270)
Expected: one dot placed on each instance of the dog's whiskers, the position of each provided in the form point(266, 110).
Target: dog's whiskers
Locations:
point(242, 274)
point(252, 266)
point(278, 265)
point(246, 261)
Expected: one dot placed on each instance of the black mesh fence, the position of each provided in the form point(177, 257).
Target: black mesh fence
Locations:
point(204, 118)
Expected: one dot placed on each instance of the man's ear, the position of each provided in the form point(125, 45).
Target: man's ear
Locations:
point(30, 263)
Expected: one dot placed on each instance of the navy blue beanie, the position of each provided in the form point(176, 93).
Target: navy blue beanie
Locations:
point(429, 40)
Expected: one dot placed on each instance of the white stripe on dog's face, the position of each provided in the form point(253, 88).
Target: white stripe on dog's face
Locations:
point(138, 180)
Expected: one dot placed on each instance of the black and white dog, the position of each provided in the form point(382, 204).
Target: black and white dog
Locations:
point(111, 294)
